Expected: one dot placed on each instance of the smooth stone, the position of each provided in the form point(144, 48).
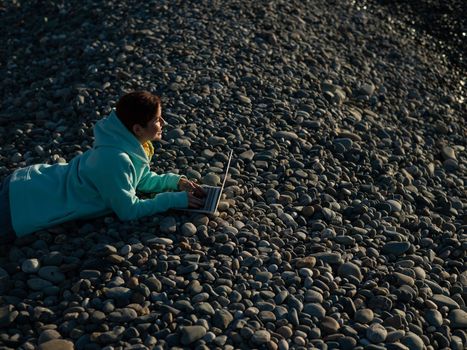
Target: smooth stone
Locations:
point(295, 303)
point(99, 250)
point(117, 292)
point(396, 248)
point(345, 240)
point(330, 258)
point(52, 274)
point(205, 308)
point(434, 317)
point(188, 229)
point(367, 89)
point(168, 225)
point(123, 315)
point(190, 334)
point(413, 341)
point(244, 99)
point(247, 155)
point(47, 335)
point(153, 284)
point(30, 266)
point(376, 333)
point(38, 283)
point(161, 241)
point(90, 274)
point(285, 331)
point(57, 344)
point(308, 262)
point(403, 279)
point(8, 315)
point(345, 142)
point(329, 325)
point(350, 135)
point(448, 153)
point(451, 164)
point(405, 293)
point(314, 310)
point(313, 296)
point(443, 300)
point(395, 336)
point(350, 269)
point(261, 337)
point(263, 276)
point(211, 179)
point(267, 316)
point(395, 205)
point(222, 318)
point(288, 135)
point(283, 344)
point(458, 319)
point(364, 316)
point(217, 141)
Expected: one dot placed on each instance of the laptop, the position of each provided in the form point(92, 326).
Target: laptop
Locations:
point(213, 195)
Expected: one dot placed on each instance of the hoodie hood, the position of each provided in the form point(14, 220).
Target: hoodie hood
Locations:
point(110, 132)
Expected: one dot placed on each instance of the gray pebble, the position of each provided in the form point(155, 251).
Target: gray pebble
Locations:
point(376, 333)
point(190, 334)
point(30, 265)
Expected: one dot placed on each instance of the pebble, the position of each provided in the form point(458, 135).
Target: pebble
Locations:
point(443, 300)
point(190, 334)
point(47, 335)
point(448, 153)
point(350, 269)
point(30, 266)
point(211, 179)
point(376, 333)
point(413, 341)
point(458, 318)
point(52, 274)
point(261, 337)
point(330, 258)
point(38, 283)
point(7, 315)
point(396, 248)
point(168, 225)
point(57, 344)
point(329, 325)
point(364, 315)
point(314, 310)
point(222, 318)
point(434, 317)
point(188, 229)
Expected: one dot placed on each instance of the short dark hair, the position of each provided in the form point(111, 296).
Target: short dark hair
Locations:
point(137, 107)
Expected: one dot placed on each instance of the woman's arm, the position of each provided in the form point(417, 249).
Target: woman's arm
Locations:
point(151, 182)
point(113, 179)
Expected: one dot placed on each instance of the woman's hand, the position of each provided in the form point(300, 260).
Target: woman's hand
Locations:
point(195, 202)
point(191, 187)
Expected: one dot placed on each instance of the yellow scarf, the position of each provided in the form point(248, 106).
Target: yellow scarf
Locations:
point(149, 149)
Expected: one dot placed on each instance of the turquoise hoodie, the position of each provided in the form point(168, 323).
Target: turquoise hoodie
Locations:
point(102, 180)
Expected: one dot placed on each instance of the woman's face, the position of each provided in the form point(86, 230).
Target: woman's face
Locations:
point(153, 129)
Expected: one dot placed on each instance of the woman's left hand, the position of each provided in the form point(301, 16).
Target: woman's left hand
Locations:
point(191, 187)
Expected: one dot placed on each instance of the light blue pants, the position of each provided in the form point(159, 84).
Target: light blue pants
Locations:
point(7, 234)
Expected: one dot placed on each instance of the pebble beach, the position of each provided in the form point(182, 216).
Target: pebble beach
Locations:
point(343, 220)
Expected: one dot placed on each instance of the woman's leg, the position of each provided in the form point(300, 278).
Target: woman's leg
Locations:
point(7, 234)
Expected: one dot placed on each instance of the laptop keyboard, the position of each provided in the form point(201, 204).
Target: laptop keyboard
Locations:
point(212, 194)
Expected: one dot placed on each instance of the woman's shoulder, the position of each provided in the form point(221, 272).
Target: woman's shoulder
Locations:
point(107, 156)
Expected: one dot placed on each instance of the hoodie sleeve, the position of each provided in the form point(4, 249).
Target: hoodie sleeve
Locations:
point(113, 179)
point(152, 182)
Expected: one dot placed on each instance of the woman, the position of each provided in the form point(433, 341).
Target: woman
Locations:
point(102, 180)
